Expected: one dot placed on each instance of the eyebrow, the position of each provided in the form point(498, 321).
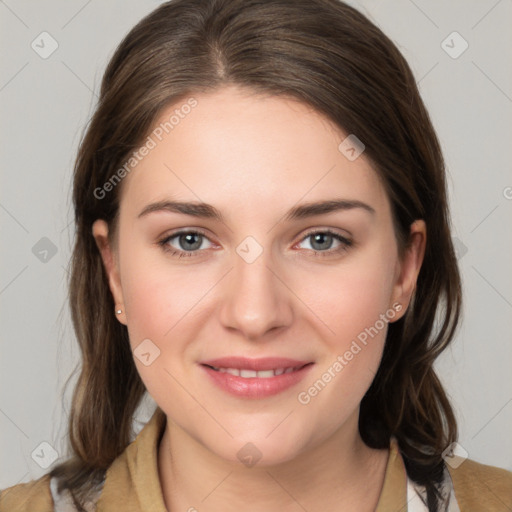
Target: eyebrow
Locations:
point(207, 211)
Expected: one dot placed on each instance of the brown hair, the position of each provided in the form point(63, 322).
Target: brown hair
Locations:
point(331, 57)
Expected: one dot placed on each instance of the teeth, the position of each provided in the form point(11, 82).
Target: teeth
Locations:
point(252, 374)
point(265, 374)
point(246, 374)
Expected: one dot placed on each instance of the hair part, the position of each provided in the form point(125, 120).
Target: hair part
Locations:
point(325, 54)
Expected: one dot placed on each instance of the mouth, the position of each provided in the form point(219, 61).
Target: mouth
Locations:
point(257, 374)
point(256, 378)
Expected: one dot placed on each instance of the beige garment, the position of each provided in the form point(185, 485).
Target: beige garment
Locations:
point(132, 483)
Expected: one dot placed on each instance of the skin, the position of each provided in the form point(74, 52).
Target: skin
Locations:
point(253, 158)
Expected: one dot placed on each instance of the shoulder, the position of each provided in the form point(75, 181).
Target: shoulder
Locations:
point(33, 496)
point(479, 485)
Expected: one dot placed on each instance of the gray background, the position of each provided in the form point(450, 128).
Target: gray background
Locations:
point(45, 104)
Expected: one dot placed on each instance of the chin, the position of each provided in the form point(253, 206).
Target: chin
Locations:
point(259, 450)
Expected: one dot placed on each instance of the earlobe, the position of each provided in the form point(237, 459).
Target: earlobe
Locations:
point(410, 266)
point(108, 256)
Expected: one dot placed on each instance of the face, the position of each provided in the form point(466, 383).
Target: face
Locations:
point(217, 307)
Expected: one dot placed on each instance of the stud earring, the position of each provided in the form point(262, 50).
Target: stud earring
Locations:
point(119, 311)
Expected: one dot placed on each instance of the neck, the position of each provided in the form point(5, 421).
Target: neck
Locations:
point(342, 473)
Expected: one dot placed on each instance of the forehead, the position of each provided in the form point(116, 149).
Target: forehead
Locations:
point(240, 151)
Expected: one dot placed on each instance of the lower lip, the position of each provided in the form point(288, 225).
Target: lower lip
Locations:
point(255, 387)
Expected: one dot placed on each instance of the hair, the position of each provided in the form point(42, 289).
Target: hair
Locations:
point(329, 56)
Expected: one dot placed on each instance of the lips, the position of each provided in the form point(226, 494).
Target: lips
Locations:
point(262, 364)
point(256, 378)
point(261, 374)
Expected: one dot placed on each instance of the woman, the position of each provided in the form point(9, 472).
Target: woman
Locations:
point(263, 244)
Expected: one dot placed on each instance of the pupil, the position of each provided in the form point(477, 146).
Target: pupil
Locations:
point(321, 237)
point(188, 239)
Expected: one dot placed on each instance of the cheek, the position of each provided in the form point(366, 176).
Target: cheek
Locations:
point(163, 303)
point(160, 311)
point(353, 303)
point(158, 293)
point(147, 306)
point(351, 297)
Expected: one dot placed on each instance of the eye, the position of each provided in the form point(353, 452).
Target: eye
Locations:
point(184, 243)
point(321, 242)
point(188, 243)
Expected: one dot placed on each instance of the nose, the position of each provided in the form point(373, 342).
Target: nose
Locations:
point(256, 298)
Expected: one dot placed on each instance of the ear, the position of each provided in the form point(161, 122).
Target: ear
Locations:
point(111, 264)
point(409, 267)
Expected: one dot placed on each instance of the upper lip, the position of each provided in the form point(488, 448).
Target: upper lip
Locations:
point(264, 363)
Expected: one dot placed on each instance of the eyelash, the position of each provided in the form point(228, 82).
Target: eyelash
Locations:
point(345, 243)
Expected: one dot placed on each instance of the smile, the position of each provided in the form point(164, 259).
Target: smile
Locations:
point(255, 378)
point(253, 374)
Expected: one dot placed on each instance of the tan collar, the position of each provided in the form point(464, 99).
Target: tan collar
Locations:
point(393, 497)
point(133, 477)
